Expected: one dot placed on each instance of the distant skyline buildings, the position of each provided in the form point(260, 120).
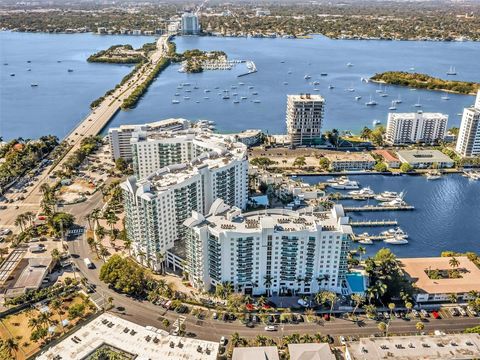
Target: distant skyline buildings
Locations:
point(190, 24)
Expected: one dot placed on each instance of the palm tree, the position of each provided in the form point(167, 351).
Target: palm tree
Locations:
point(29, 216)
point(382, 327)
point(56, 305)
point(452, 297)
point(11, 346)
point(96, 215)
point(55, 255)
point(3, 251)
point(319, 298)
point(408, 306)
point(262, 300)
point(127, 243)
point(268, 282)
point(20, 221)
point(371, 310)
point(260, 340)
point(361, 251)
point(88, 219)
point(331, 297)
point(160, 258)
point(453, 262)
point(420, 326)
point(358, 300)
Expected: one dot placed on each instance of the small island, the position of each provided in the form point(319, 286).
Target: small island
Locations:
point(122, 54)
point(195, 61)
point(423, 81)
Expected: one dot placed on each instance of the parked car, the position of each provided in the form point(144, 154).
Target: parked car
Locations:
point(302, 302)
point(462, 311)
point(415, 313)
point(342, 340)
point(454, 311)
point(223, 341)
point(472, 310)
point(436, 315)
point(215, 316)
point(424, 313)
point(270, 328)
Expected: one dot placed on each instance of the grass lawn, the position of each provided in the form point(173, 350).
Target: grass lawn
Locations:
point(16, 326)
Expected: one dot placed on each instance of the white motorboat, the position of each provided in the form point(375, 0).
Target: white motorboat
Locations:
point(345, 184)
point(445, 97)
point(316, 82)
point(434, 175)
point(388, 196)
point(376, 122)
point(394, 202)
point(396, 241)
point(366, 241)
point(363, 191)
point(349, 64)
point(358, 98)
point(175, 101)
point(331, 86)
point(397, 232)
point(307, 77)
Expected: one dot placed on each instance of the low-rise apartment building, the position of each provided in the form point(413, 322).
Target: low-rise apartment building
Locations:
point(273, 251)
point(424, 159)
point(350, 161)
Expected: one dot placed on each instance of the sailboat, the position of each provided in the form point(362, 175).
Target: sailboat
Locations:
point(451, 71)
point(398, 100)
point(393, 107)
point(445, 97)
point(418, 104)
point(351, 88)
point(371, 102)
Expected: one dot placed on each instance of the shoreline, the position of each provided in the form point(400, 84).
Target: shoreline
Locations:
point(413, 87)
point(283, 37)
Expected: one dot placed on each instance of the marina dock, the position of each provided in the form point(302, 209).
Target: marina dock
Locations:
point(373, 223)
point(378, 208)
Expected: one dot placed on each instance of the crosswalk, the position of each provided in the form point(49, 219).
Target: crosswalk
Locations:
point(179, 322)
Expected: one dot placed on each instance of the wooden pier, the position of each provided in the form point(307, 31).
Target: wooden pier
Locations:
point(374, 223)
point(378, 208)
point(340, 196)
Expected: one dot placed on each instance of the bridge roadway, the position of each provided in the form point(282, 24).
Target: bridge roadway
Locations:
point(90, 126)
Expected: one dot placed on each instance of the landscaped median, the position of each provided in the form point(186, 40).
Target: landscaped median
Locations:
point(133, 98)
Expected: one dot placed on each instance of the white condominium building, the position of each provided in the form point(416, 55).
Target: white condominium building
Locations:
point(157, 150)
point(407, 128)
point(468, 142)
point(157, 205)
point(119, 138)
point(273, 251)
point(304, 118)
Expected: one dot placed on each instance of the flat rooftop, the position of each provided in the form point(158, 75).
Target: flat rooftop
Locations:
point(306, 97)
point(428, 347)
point(349, 156)
point(415, 156)
point(415, 269)
point(254, 353)
point(145, 343)
point(279, 219)
point(418, 114)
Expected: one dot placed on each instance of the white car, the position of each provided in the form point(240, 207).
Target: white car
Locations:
point(302, 302)
point(342, 340)
point(223, 341)
point(424, 313)
point(462, 311)
point(270, 328)
point(415, 313)
point(472, 310)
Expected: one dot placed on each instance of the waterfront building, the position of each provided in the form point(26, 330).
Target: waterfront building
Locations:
point(424, 159)
point(190, 24)
point(408, 128)
point(119, 138)
point(350, 161)
point(432, 282)
point(272, 251)
point(157, 205)
point(425, 347)
point(159, 149)
point(305, 118)
point(388, 158)
point(250, 137)
point(468, 142)
point(108, 332)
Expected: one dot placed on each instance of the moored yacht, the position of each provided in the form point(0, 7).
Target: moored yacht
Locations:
point(363, 191)
point(345, 184)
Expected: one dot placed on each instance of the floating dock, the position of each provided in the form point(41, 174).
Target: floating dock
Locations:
point(378, 208)
point(373, 223)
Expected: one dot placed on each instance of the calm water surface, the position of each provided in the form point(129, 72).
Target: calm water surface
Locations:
point(275, 58)
point(446, 215)
point(62, 98)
